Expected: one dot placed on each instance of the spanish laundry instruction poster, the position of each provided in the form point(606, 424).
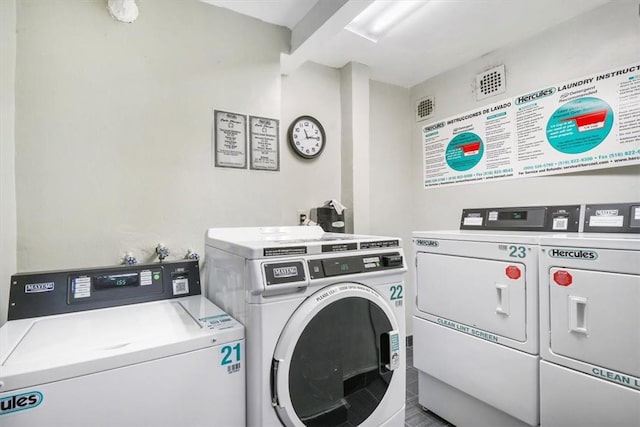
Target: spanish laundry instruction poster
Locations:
point(591, 122)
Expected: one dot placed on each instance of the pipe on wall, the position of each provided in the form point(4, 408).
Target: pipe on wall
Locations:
point(123, 10)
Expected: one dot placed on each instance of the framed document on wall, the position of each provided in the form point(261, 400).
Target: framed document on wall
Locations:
point(230, 140)
point(264, 137)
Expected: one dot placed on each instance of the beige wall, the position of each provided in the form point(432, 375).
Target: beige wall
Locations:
point(114, 125)
point(7, 151)
point(312, 90)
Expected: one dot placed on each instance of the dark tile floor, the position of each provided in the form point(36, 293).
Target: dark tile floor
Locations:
point(415, 416)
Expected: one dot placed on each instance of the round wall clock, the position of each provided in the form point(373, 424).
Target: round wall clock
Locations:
point(306, 136)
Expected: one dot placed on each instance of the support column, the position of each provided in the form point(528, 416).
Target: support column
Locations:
point(354, 88)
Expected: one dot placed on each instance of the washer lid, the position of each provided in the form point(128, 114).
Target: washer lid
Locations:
point(271, 242)
point(52, 348)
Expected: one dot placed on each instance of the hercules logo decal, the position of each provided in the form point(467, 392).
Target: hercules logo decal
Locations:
point(20, 402)
point(584, 254)
point(431, 243)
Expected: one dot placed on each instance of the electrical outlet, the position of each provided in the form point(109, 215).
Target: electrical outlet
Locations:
point(302, 216)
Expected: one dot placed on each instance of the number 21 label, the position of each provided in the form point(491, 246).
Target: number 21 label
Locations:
point(230, 354)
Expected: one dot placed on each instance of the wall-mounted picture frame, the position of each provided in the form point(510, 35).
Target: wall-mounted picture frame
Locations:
point(230, 140)
point(264, 137)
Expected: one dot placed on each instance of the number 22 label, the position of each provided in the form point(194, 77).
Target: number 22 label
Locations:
point(396, 292)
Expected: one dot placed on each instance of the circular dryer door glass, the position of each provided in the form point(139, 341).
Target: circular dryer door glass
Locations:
point(337, 374)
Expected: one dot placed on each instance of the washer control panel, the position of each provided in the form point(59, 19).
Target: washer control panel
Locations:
point(66, 291)
point(341, 266)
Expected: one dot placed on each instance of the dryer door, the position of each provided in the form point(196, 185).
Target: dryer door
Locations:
point(482, 293)
point(335, 361)
point(595, 318)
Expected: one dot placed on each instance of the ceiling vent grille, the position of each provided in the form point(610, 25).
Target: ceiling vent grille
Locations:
point(425, 107)
point(491, 82)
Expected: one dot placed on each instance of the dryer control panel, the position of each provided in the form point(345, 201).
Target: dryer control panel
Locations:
point(612, 218)
point(564, 218)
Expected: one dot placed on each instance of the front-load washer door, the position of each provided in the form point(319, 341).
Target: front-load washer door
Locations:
point(594, 318)
point(339, 360)
point(482, 293)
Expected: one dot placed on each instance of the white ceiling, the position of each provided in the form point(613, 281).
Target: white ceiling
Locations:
point(441, 35)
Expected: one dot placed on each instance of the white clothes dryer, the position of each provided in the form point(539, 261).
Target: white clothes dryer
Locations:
point(324, 316)
point(590, 322)
point(119, 346)
point(475, 327)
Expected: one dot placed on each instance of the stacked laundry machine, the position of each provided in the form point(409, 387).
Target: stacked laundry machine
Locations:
point(325, 322)
point(119, 346)
point(489, 307)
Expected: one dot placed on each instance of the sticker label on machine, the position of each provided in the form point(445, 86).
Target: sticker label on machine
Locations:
point(34, 288)
point(20, 402)
point(607, 218)
point(380, 244)
point(478, 333)
point(615, 377)
point(81, 287)
point(397, 294)
point(343, 288)
point(394, 351)
point(426, 242)
point(180, 285)
point(515, 251)
point(231, 357)
point(219, 322)
point(573, 253)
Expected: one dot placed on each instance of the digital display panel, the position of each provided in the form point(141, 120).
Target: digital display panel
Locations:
point(339, 266)
point(109, 281)
point(512, 215)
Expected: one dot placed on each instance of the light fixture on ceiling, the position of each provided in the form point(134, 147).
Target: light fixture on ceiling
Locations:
point(379, 18)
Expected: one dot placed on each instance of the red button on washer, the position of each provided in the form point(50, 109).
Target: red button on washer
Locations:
point(562, 278)
point(513, 272)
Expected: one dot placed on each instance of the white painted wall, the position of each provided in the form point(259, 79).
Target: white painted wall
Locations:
point(604, 38)
point(114, 125)
point(391, 120)
point(312, 90)
point(8, 240)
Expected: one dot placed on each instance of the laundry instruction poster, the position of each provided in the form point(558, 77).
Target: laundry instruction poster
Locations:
point(591, 122)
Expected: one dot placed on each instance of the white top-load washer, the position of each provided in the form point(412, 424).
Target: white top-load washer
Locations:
point(324, 318)
point(119, 346)
point(475, 327)
point(590, 321)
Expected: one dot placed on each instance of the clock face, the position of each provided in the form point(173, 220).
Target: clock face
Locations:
point(306, 137)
